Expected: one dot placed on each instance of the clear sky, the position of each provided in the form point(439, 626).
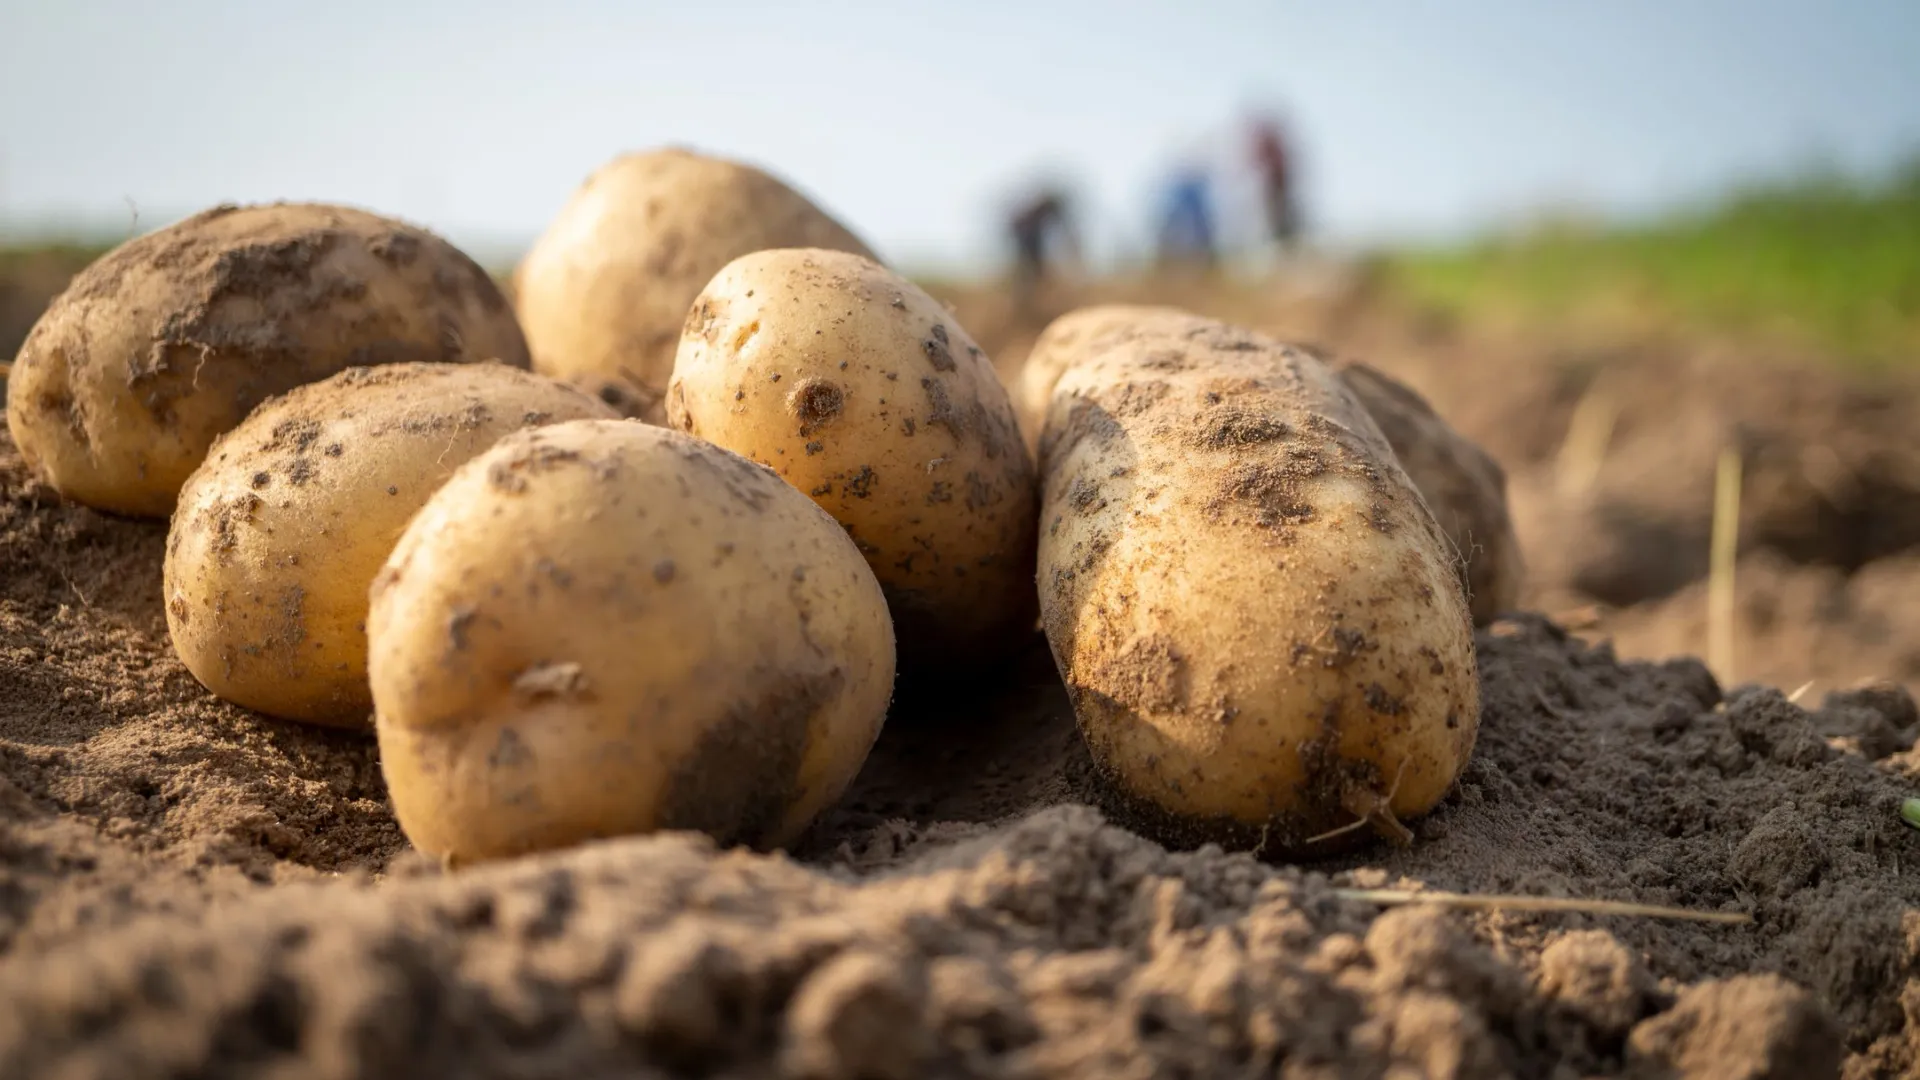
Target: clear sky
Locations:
point(913, 121)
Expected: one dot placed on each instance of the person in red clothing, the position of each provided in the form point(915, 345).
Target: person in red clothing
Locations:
point(1274, 164)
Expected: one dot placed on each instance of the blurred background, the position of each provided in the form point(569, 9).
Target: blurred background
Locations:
point(1612, 242)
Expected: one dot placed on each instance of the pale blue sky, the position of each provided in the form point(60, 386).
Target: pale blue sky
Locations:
point(912, 120)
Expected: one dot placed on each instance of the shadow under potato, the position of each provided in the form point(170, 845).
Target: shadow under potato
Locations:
point(977, 753)
point(951, 755)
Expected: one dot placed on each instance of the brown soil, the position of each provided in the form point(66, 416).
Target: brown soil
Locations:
point(187, 889)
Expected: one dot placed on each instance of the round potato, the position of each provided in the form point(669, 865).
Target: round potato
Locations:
point(860, 390)
point(1259, 623)
point(601, 627)
point(604, 291)
point(1463, 486)
point(281, 530)
point(171, 339)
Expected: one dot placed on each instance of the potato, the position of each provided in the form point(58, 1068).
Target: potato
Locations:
point(172, 338)
point(604, 291)
point(1259, 623)
point(600, 627)
point(281, 530)
point(860, 390)
point(1463, 486)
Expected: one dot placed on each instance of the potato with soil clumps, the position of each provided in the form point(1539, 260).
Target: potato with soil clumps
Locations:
point(605, 290)
point(281, 530)
point(1260, 625)
point(170, 339)
point(860, 390)
point(1463, 486)
point(601, 627)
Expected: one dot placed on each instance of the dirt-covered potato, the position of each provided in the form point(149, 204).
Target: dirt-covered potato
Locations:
point(1464, 487)
point(172, 338)
point(604, 291)
point(861, 390)
point(281, 530)
point(601, 627)
point(1259, 622)
point(1462, 484)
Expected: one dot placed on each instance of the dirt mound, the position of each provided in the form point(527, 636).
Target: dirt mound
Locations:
point(189, 890)
point(1797, 623)
point(1054, 946)
point(1831, 473)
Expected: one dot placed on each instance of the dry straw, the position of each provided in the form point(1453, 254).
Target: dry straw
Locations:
point(1589, 430)
point(1566, 904)
point(1726, 547)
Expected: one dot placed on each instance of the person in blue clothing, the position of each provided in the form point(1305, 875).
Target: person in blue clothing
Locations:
point(1186, 218)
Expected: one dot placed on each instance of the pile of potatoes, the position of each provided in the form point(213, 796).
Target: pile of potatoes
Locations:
point(649, 547)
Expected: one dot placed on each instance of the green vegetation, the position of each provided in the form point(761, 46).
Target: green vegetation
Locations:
point(1820, 262)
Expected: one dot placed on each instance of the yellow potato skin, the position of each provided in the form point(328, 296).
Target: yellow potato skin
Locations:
point(172, 338)
point(1462, 484)
point(1258, 621)
point(600, 628)
point(281, 530)
point(604, 291)
point(862, 391)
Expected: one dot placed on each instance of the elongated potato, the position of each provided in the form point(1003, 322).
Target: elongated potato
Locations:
point(600, 627)
point(862, 391)
point(280, 532)
point(1463, 486)
point(171, 339)
point(1260, 625)
point(604, 291)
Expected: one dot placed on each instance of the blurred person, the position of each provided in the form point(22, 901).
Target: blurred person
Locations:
point(1040, 226)
point(1187, 233)
point(1273, 163)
